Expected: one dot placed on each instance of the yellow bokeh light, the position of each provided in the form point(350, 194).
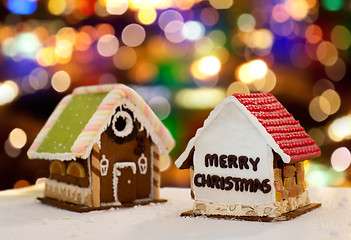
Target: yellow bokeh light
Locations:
point(298, 9)
point(261, 39)
point(46, 57)
point(327, 54)
point(237, 87)
point(147, 16)
point(66, 33)
point(340, 129)
point(333, 99)
point(8, 92)
point(18, 138)
point(243, 74)
point(221, 4)
point(117, 7)
point(209, 65)
point(317, 109)
point(257, 69)
point(125, 58)
point(267, 83)
point(60, 81)
point(63, 48)
point(83, 41)
point(200, 98)
point(57, 7)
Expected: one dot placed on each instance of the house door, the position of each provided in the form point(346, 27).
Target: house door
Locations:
point(124, 182)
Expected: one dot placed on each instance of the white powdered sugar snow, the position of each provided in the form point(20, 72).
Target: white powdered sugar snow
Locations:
point(23, 217)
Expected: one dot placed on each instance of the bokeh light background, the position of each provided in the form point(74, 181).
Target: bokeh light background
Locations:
point(183, 57)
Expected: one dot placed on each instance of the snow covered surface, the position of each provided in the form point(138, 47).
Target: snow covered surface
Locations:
point(23, 217)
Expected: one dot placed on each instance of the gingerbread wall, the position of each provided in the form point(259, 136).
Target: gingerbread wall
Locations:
point(127, 151)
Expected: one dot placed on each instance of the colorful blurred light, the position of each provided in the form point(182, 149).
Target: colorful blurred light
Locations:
point(8, 91)
point(341, 37)
point(17, 138)
point(57, 7)
point(340, 129)
point(60, 81)
point(313, 33)
point(22, 7)
point(200, 98)
point(319, 108)
point(327, 54)
point(160, 106)
point(221, 4)
point(169, 16)
point(337, 71)
point(116, 7)
point(209, 65)
point(298, 9)
point(107, 45)
point(333, 5)
point(237, 87)
point(279, 13)
point(193, 30)
point(173, 32)
point(133, 35)
point(125, 58)
point(333, 99)
point(147, 16)
point(24, 45)
point(340, 159)
point(246, 22)
point(38, 78)
point(209, 16)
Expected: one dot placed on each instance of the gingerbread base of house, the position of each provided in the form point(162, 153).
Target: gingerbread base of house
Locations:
point(80, 208)
point(284, 217)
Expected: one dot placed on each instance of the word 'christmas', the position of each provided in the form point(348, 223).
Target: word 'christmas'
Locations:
point(228, 183)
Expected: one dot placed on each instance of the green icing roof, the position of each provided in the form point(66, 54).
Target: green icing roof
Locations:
point(70, 123)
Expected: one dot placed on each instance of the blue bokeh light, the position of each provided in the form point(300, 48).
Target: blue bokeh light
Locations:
point(22, 7)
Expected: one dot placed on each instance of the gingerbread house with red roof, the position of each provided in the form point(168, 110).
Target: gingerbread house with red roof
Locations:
point(247, 159)
point(104, 144)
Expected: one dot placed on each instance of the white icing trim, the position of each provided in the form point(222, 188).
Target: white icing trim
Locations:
point(73, 190)
point(269, 139)
point(152, 171)
point(90, 172)
point(139, 116)
point(129, 124)
point(104, 163)
point(116, 173)
point(142, 166)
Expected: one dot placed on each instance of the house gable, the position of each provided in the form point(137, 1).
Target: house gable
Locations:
point(95, 122)
point(231, 135)
point(249, 117)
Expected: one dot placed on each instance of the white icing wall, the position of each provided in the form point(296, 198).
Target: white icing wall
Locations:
point(231, 132)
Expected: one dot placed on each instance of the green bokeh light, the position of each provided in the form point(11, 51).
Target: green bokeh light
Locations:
point(333, 5)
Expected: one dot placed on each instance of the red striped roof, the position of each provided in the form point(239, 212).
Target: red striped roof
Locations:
point(281, 125)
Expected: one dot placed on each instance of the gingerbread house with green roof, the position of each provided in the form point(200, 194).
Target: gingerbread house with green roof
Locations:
point(104, 143)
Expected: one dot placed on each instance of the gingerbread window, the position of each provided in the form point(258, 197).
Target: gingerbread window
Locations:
point(58, 167)
point(104, 163)
point(122, 124)
point(76, 169)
